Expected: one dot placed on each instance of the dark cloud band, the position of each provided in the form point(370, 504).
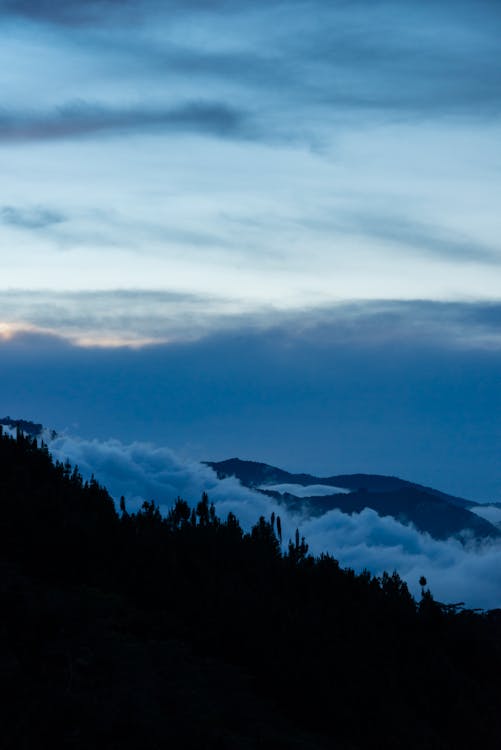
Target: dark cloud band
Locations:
point(79, 120)
point(35, 217)
point(159, 316)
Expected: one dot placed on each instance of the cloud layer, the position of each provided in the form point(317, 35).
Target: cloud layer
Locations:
point(74, 121)
point(384, 58)
point(143, 472)
point(140, 317)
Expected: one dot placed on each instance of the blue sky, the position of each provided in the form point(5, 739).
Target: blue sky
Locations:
point(316, 183)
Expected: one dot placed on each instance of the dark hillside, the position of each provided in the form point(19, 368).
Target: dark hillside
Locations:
point(255, 474)
point(440, 515)
point(133, 630)
point(426, 512)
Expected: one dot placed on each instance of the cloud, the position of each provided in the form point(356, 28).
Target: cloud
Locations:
point(81, 119)
point(388, 58)
point(35, 217)
point(362, 62)
point(149, 317)
point(121, 315)
point(144, 472)
point(78, 13)
point(66, 12)
point(409, 235)
point(411, 323)
point(454, 573)
point(311, 490)
point(156, 316)
point(358, 61)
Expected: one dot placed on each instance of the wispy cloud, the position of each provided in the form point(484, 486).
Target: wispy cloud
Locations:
point(65, 12)
point(362, 60)
point(81, 119)
point(148, 317)
point(30, 217)
point(410, 235)
point(130, 317)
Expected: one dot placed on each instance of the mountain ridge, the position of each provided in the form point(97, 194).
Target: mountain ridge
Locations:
point(429, 510)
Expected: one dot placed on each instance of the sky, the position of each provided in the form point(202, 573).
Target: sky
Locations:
point(265, 229)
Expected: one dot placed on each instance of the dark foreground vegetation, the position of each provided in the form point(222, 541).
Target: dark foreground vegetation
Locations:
point(127, 630)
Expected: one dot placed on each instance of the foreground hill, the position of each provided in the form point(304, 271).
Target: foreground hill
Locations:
point(440, 515)
point(131, 630)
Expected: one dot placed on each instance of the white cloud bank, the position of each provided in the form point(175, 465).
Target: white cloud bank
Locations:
point(141, 471)
point(310, 490)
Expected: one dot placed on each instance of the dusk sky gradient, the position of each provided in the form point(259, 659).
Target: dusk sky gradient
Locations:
point(266, 229)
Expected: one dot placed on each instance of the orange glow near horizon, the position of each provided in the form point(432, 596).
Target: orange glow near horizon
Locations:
point(9, 331)
point(113, 342)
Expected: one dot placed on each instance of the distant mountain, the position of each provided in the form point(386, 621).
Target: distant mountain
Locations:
point(432, 511)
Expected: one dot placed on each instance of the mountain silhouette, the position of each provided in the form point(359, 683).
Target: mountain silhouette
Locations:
point(429, 510)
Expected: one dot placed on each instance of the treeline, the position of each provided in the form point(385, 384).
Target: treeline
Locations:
point(27, 427)
point(121, 627)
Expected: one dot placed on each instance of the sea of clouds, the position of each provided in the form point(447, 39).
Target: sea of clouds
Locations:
point(141, 471)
